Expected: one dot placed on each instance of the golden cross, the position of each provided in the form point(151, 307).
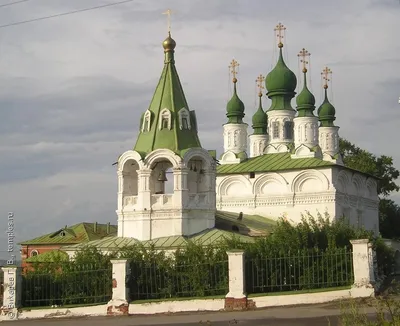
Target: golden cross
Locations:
point(234, 64)
point(304, 54)
point(168, 13)
point(279, 28)
point(325, 76)
point(260, 79)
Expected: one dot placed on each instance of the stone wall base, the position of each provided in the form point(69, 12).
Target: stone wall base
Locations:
point(239, 304)
point(362, 291)
point(117, 308)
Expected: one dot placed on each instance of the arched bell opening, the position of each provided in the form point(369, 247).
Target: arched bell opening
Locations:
point(162, 178)
point(129, 183)
point(197, 180)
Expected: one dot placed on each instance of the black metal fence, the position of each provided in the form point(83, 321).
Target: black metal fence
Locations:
point(53, 284)
point(303, 270)
point(158, 281)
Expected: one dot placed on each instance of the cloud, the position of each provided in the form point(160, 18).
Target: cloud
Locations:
point(72, 88)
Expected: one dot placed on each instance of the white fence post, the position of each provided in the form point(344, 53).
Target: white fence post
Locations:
point(363, 266)
point(12, 287)
point(236, 299)
point(119, 303)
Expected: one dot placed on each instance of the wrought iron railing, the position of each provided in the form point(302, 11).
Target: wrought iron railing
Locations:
point(161, 281)
point(302, 270)
point(54, 284)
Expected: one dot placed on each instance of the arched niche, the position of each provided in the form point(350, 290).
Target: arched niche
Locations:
point(130, 177)
point(282, 148)
point(372, 191)
point(234, 186)
point(343, 182)
point(201, 167)
point(310, 181)
point(359, 185)
point(270, 149)
point(302, 150)
point(268, 184)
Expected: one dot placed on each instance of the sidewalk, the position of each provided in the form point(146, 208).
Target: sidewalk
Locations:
point(298, 315)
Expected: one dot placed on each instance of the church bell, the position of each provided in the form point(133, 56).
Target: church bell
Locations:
point(162, 177)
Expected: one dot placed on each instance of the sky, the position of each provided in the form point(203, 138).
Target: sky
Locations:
point(72, 88)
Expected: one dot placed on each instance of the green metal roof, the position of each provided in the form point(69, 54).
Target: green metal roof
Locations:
point(210, 236)
point(168, 95)
point(78, 233)
point(272, 162)
point(253, 225)
point(50, 256)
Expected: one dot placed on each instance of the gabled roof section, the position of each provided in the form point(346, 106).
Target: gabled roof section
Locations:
point(206, 237)
point(78, 233)
point(168, 103)
point(272, 162)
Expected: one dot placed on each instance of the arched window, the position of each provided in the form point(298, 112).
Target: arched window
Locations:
point(275, 129)
point(288, 130)
point(165, 119)
point(184, 119)
point(146, 121)
point(34, 253)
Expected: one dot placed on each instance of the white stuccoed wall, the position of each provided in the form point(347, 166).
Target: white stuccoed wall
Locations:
point(235, 141)
point(292, 193)
point(257, 144)
point(144, 213)
point(235, 137)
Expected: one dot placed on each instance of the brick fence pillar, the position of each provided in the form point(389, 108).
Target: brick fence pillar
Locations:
point(12, 289)
point(236, 299)
point(119, 304)
point(363, 266)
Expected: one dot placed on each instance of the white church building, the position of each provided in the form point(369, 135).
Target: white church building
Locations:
point(288, 165)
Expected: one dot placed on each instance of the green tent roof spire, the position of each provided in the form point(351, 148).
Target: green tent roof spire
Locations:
point(281, 84)
point(168, 123)
point(235, 107)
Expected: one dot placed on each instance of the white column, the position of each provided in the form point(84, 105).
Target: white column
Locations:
point(363, 265)
point(329, 140)
point(235, 137)
point(257, 144)
point(120, 190)
point(144, 195)
point(181, 196)
point(118, 305)
point(12, 287)
point(236, 275)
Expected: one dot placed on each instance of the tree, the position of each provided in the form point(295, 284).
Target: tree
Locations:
point(382, 168)
point(364, 161)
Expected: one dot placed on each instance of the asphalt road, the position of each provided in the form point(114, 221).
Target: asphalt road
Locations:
point(190, 321)
point(315, 315)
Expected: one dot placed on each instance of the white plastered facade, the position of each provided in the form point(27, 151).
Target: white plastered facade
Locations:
point(145, 211)
point(289, 194)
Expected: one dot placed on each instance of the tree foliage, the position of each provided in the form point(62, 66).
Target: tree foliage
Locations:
point(314, 253)
point(379, 166)
point(382, 167)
